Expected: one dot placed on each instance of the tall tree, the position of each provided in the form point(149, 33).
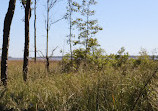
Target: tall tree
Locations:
point(70, 10)
point(6, 34)
point(26, 47)
point(73, 6)
point(50, 5)
point(87, 27)
point(35, 31)
point(47, 58)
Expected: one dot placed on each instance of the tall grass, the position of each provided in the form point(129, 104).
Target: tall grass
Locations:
point(88, 89)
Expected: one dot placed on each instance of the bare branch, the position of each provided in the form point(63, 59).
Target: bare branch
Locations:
point(40, 53)
point(53, 51)
point(53, 2)
point(64, 17)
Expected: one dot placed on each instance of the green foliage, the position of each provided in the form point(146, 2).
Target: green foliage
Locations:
point(94, 58)
point(121, 57)
point(87, 28)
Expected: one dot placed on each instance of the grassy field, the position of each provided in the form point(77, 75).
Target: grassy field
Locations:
point(131, 86)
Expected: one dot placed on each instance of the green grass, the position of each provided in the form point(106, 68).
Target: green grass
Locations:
point(107, 89)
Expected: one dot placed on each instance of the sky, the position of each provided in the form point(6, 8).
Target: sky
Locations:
point(132, 24)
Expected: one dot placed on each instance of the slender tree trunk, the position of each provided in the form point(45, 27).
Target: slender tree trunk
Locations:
point(70, 39)
point(87, 39)
point(6, 34)
point(47, 58)
point(26, 49)
point(35, 31)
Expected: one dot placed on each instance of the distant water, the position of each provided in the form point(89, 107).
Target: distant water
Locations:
point(55, 58)
point(59, 58)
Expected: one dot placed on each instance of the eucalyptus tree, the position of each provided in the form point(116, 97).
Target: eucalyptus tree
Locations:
point(27, 7)
point(5, 46)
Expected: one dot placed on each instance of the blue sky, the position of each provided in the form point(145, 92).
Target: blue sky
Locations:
point(129, 23)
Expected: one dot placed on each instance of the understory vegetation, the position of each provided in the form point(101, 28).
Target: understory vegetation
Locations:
point(103, 83)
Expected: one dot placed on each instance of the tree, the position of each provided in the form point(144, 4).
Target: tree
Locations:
point(72, 7)
point(26, 47)
point(6, 34)
point(49, 23)
point(35, 31)
point(70, 23)
point(50, 5)
point(87, 27)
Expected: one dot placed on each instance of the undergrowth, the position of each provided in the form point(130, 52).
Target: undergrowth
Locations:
point(115, 84)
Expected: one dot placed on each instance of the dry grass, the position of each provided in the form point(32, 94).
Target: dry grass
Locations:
point(86, 90)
